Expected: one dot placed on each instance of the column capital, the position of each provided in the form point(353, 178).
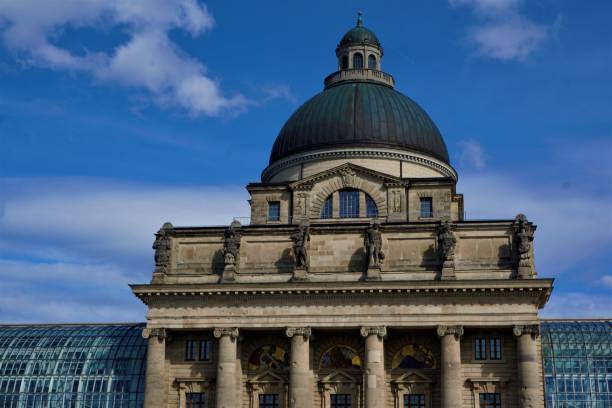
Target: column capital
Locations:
point(380, 331)
point(159, 332)
point(305, 332)
point(531, 329)
point(232, 332)
point(456, 331)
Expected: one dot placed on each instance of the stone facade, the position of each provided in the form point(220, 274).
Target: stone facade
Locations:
point(357, 283)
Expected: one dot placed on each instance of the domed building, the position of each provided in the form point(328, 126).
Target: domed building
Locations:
point(356, 282)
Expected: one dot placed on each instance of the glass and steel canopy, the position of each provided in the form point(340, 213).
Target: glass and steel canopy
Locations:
point(72, 366)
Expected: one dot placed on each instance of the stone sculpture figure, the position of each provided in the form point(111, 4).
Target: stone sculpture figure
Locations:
point(446, 247)
point(300, 245)
point(163, 250)
point(231, 252)
point(523, 237)
point(373, 244)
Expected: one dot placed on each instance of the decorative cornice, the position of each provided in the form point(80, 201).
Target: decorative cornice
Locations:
point(456, 331)
point(232, 332)
point(345, 171)
point(532, 329)
point(305, 332)
point(443, 168)
point(160, 333)
point(380, 331)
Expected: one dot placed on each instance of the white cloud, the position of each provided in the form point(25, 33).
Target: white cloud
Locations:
point(472, 154)
point(578, 305)
point(606, 280)
point(148, 60)
point(504, 33)
point(572, 228)
point(99, 217)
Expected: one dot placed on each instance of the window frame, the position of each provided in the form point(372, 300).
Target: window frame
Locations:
point(355, 56)
point(372, 57)
point(190, 350)
point(276, 217)
point(488, 357)
point(202, 403)
point(275, 400)
point(348, 203)
point(347, 403)
point(422, 403)
point(422, 213)
point(497, 397)
point(205, 357)
point(327, 209)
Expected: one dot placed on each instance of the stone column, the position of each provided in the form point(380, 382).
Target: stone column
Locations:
point(452, 379)
point(155, 380)
point(300, 387)
point(227, 390)
point(375, 386)
point(530, 393)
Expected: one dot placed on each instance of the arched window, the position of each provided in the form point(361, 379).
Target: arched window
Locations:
point(327, 210)
point(340, 357)
point(349, 203)
point(269, 357)
point(357, 61)
point(344, 62)
point(371, 209)
point(371, 62)
point(413, 356)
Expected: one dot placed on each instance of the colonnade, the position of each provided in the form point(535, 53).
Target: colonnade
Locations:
point(301, 379)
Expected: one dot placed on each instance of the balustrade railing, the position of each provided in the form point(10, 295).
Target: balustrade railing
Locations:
point(360, 74)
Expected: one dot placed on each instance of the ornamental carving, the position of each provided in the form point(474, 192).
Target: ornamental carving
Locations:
point(305, 332)
point(300, 239)
point(163, 249)
point(380, 331)
point(532, 329)
point(447, 241)
point(456, 331)
point(232, 332)
point(523, 238)
point(396, 201)
point(373, 244)
point(231, 252)
point(159, 333)
point(348, 176)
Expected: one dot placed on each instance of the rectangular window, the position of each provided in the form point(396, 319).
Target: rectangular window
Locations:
point(495, 348)
point(414, 401)
point(274, 211)
point(195, 400)
point(490, 400)
point(480, 348)
point(340, 401)
point(204, 350)
point(426, 207)
point(268, 401)
point(349, 204)
point(190, 350)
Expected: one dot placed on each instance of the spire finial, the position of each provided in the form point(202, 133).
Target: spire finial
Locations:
point(359, 19)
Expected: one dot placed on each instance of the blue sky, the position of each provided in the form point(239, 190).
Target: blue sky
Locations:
point(117, 115)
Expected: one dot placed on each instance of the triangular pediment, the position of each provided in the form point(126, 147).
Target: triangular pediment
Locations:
point(338, 376)
point(412, 376)
point(267, 377)
point(347, 172)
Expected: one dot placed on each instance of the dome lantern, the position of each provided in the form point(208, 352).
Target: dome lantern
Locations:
point(359, 48)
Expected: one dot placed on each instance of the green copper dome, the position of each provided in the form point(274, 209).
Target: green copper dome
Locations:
point(359, 114)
